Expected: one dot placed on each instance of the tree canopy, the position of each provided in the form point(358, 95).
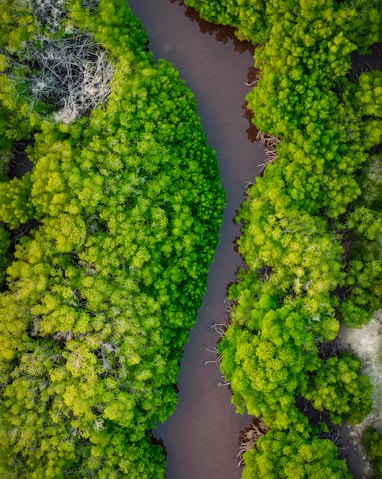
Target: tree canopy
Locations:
point(127, 202)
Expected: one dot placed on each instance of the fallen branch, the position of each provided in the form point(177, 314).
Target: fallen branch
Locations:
point(249, 437)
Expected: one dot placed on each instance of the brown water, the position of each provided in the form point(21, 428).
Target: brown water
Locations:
point(201, 438)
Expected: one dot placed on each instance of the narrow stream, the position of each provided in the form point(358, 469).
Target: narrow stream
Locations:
point(201, 438)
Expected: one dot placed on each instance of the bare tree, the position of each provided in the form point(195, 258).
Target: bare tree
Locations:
point(270, 142)
point(65, 68)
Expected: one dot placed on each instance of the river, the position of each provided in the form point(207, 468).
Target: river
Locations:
point(201, 438)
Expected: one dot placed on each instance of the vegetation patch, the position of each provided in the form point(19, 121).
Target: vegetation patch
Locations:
point(126, 204)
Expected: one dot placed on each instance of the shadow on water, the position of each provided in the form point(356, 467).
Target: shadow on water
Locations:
point(222, 33)
point(251, 130)
point(252, 79)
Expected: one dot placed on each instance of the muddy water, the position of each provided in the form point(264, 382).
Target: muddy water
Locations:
point(201, 438)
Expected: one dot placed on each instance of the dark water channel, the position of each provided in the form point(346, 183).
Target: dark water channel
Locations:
point(201, 438)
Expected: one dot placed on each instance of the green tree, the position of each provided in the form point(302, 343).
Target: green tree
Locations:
point(337, 387)
point(16, 207)
point(372, 442)
point(292, 455)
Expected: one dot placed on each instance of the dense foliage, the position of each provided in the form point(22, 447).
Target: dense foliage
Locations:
point(127, 201)
point(304, 457)
point(372, 442)
point(311, 227)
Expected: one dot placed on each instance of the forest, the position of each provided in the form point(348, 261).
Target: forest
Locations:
point(105, 242)
point(311, 231)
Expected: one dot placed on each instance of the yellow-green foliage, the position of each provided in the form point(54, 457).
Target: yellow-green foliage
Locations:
point(101, 295)
point(372, 441)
